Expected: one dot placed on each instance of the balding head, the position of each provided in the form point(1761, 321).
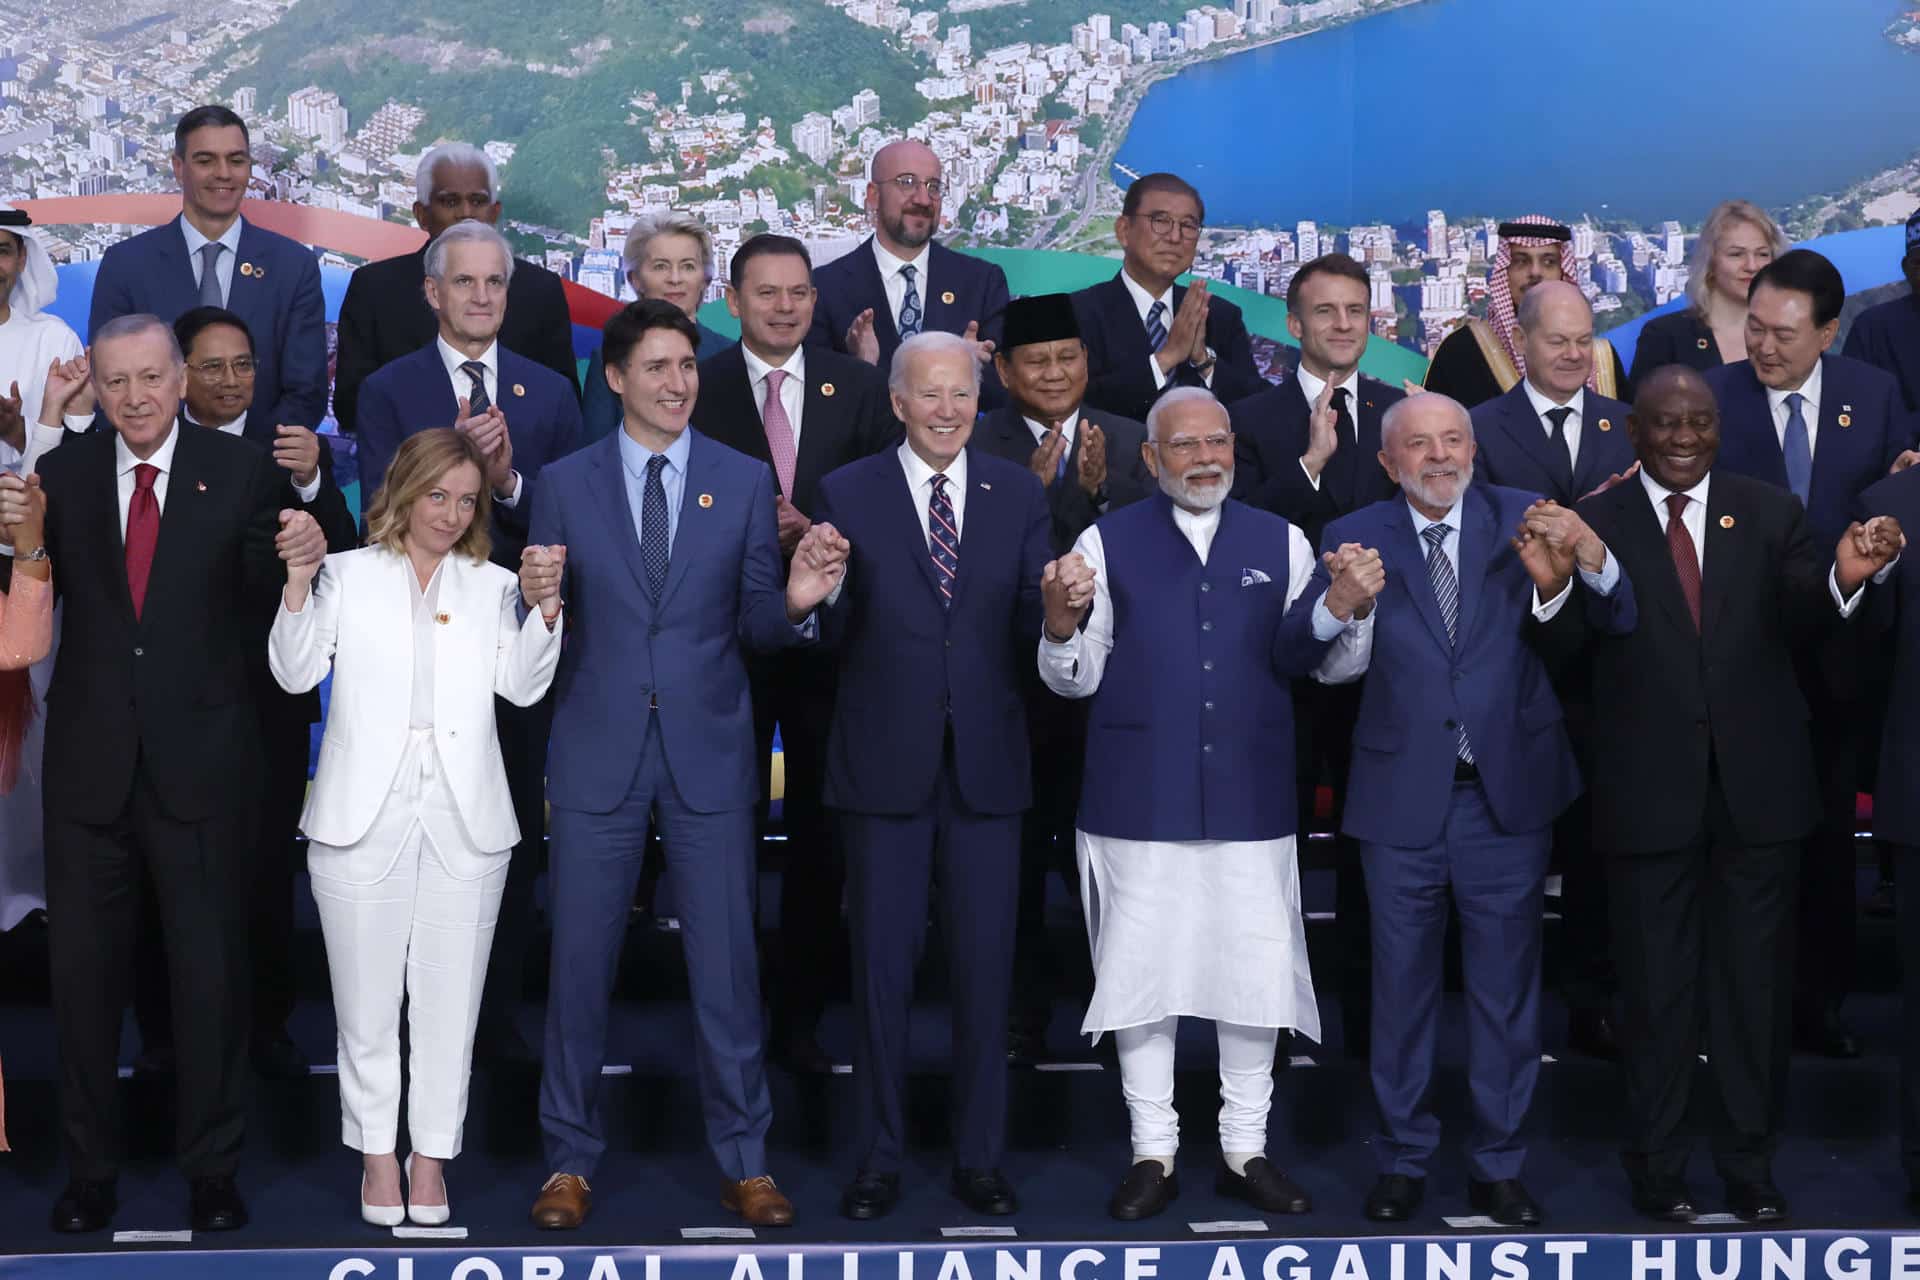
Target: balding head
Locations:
point(1555, 330)
point(903, 196)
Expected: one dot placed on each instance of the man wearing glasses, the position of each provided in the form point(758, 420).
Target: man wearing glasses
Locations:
point(1143, 332)
point(902, 281)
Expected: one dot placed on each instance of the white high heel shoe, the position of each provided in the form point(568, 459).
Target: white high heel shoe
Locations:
point(379, 1215)
point(426, 1215)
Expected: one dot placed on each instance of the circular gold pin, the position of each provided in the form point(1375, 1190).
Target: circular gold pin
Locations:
point(1700, 343)
point(1605, 425)
point(1845, 419)
point(443, 618)
point(706, 500)
point(519, 390)
point(947, 297)
point(826, 388)
point(1726, 522)
point(246, 268)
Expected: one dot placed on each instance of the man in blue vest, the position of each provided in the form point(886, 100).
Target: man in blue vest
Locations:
point(1185, 842)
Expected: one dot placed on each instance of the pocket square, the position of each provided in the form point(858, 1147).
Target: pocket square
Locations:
point(1253, 577)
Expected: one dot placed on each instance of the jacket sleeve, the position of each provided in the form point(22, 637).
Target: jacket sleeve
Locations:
point(303, 357)
point(764, 625)
point(526, 653)
point(300, 645)
point(112, 296)
point(556, 338)
point(354, 359)
point(329, 506)
point(380, 433)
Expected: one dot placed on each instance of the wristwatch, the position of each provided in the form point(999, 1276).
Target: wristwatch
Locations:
point(1207, 364)
point(37, 554)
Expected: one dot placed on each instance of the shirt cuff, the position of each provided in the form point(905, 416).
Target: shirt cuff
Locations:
point(1545, 611)
point(512, 499)
point(1848, 604)
point(1312, 478)
point(1153, 367)
point(1325, 625)
point(809, 626)
point(77, 421)
point(308, 492)
point(1603, 582)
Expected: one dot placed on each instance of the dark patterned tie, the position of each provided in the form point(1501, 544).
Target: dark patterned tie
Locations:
point(1156, 326)
point(143, 533)
point(1562, 454)
point(1446, 591)
point(943, 540)
point(478, 402)
point(654, 544)
point(1686, 557)
point(910, 313)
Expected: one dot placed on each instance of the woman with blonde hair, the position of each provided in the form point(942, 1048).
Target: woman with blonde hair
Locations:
point(409, 823)
point(1737, 239)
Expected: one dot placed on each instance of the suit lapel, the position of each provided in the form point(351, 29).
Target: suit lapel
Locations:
point(1479, 544)
point(1404, 545)
point(1834, 442)
point(875, 289)
point(820, 429)
point(1592, 437)
point(1640, 528)
point(180, 264)
point(694, 528)
point(1724, 560)
point(1526, 431)
point(248, 289)
point(609, 483)
point(1752, 417)
point(914, 538)
point(1130, 342)
point(105, 484)
point(977, 527)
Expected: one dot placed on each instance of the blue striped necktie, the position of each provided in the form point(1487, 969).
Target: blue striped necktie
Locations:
point(1156, 326)
point(943, 539)
point(1446, 592)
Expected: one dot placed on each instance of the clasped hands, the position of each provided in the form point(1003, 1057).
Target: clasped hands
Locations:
point(1066, 591)
point(1552, 541)
point(542, 569)
point(1864, 550)
point(819, 564)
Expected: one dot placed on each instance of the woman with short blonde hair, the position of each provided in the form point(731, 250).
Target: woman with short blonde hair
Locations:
point(1737, 239)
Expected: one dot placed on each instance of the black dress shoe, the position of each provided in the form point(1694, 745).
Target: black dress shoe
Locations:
point(1264, 1187)
point(1395, 1197)
point(1819, 1030)
point(1756, 1201)
point(1505, 1201)
point(1591, 1031)
point(86, 1205)
point(1665, 1199)
point(870, 1195)
point(985, 1191)
point(1145, 1191)
point(217, 1205)
point(278, 1058)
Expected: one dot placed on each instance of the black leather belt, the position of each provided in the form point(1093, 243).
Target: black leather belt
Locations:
point(1465, 770)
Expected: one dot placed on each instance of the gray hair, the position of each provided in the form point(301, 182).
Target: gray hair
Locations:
point(929, 342)
point(468, 232)
point(1401, 408)
point(132, 326)
point(1176, 397)
point(453, 153)
point(1725, 216)
point(667, 222)
point(1535, 299)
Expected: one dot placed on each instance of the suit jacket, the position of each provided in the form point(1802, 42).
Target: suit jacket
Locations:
point(1891, 617)
point(275, 289)
point(1420, 685)
point(385, 316)
point(1117, 351)
point(723, 594)
point(1514, 450)
point(845, 416)
point(1846, 459)
point(1270, 431)
point(1459, 369)
point(168, 691)
point(912, 672)
point(1673, 706)
point(358, 624)
point(1887, 337)
point(1678, 337)
point(1005, 434)
point(415, 393)
point(600, 408)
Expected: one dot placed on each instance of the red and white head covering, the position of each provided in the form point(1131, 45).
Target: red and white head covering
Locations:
point(1500, 308)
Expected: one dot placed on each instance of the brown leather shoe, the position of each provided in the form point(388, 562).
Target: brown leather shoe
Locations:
point(563, 1204)
point(759, 1202)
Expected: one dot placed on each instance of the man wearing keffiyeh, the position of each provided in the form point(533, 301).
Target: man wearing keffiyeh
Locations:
point(1481, 359)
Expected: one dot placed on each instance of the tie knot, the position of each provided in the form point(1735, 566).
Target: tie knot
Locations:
point(776, 378)
point(1560, 415)
point(1155, 311)
point(939, 484)
point(908, 272)
point(210, 252)
point(474, 369)
point(1340, 397)
point(1677, 505)
point(655, 465)
point(1435, 534)
point(1794, 401)
point(144, 474)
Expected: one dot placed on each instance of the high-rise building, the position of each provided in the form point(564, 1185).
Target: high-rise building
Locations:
point(314, 113)
point(1380, 288)
point(1307, 234)
point(108, 146)
point(1436, 233)
point(813, 137)
point(1582, 239)
point(866, 107)
point(245, 99)
point(1676, 241)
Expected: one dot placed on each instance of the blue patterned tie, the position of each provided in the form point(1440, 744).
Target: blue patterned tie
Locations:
point(654, 544)
point(1446, 591)
point(210, 294)
point(910, 314)
point(1797, 450)
point(943, 540)
point(478, 401)
point(1156, 326)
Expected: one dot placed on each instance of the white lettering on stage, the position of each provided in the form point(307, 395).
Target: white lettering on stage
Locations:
point(1904, 1260)
point(1646, 1266)
point(1509, 1261)
point(1142, 1264)
point(1566, 1251)
point(1703, 1260)
point(604, 1267)
point(1008, 1265)
point(472, 1267)
point(747, 1267)
point(1226, 1264)
point(542, 1268)
point(1858, 1269)
point(954, 1266)
point(1789, 1263)
point(1348, 1266)
point(1455, 1266)
point(349, 1267)
point(1071, 1264)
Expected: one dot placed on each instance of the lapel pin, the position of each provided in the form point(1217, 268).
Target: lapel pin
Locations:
point(246, 268)
point(706, 500)
point(986, 486)
point(201, 485)
point(1846, 419)
point(443, 618)
point(1700, 343)
point(826, 388)
point(1605, 425)
point(1726, 522)
point(947, 297)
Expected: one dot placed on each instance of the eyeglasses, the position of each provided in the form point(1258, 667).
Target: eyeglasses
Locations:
point(909, 183)
point(242, 366)
point(1165, 225)
point(1187, 446)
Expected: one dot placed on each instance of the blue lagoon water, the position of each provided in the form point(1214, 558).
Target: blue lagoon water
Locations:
point(1636, 109)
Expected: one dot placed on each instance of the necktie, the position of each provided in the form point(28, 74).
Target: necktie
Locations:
point(1562, 455)
point(210, 295)
point(1343, 420)
point(1060, 466)
point(143, 533)
point(654, 545)
point(943, 540)
point(1686, 560)
point(1446, 591)
point(780, 442)
point(478, 402)
point(909, 305)
point(1343, 466)
point(1796, 450)
point(1156, 326)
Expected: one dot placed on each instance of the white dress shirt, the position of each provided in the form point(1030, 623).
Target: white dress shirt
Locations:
point(1143, 303)
point(896, 284)
point(1694, 517)
point(1575, 419)
point(920, 484)
point(124, 462)
point(463, 390)
point(1070, 428)
point(224, 268)
point(793, 392)
point(1311, 386)
point(1810, 411)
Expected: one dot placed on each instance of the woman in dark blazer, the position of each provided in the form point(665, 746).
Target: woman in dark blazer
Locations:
point(1737, 239)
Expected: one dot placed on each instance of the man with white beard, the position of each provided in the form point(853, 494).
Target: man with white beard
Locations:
point(1186, 824)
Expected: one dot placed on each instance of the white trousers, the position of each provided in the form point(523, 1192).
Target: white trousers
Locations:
point(397, 923)
point(1246, 1086)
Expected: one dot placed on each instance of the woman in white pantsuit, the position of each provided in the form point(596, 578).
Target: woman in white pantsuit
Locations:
point(409, 823)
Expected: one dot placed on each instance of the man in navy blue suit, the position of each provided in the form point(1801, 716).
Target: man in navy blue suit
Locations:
point(1460, 765)
point(901, 281)
point(1143, 332)
point(673, 567)
point(1887, 335)
point(927, 763)
point(525, 416)
point(211, 256)
point(1825, 428)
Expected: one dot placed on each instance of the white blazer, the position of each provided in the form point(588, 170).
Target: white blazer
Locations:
point(359, 622)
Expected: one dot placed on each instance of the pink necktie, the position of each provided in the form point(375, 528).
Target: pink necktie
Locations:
point(779, 433)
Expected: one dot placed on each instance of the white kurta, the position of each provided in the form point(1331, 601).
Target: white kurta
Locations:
point(1206, 929)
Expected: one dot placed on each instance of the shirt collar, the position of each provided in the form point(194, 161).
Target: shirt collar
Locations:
point(920, 475)
point(1541, 404)
point(1311, 385)
point(634, 455)
point(1143, 301)
point(1192, 522)
point(1069, 427)
point(196, 242)
point(1452, 518)
point(1658, 493)
point(758, 369)
point(1810, 390)
point(890, 265)
point(453, 359)
point(124, 461)
point(234, 428)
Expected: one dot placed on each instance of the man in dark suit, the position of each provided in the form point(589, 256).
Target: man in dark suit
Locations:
point(385, 314)
point(212, 257)
point(1823, 427)
point(525, 416)
point(901, 280)
point(1143, 332)
point(1703, 787)
point(1460, 765)
point(805, 412)
point(1091, 463)
point(166, 545)
point(1553, 436)
point(1887, 335)
point(935, 625)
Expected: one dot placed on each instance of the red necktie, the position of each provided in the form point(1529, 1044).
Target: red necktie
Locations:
point(143, 531)
point(1686, 562)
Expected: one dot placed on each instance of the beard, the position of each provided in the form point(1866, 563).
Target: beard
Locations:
point(1417, 488)
point(1204, 499)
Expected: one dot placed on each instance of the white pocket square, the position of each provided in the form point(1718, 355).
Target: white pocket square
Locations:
point(1253, 577)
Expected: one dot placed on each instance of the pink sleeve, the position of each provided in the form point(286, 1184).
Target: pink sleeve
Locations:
point(26, 622)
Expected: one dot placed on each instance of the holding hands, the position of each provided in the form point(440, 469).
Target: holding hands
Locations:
point(542, 569)
point(1359, 576)
point(1066, 589)
point(304, 547)
point(1865, 549)
point(819, 564)
point(23, 512)
point(793, 524)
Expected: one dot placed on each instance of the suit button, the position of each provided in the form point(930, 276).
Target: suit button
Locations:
point(949, 644)
point(1209, 704)
point(1206, 626)
point(1208, 748)
point(1458, 674)
point(139, 653)
point(1453, 724)
point(1207, 665)
point(1206, 586)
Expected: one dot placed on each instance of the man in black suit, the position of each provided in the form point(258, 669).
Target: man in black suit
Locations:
point(1143, 332)
point(1704, 785)
point(1091, 463)
point(1308, 450)
point(153, 751)
point(385, 313)
point(805, 412)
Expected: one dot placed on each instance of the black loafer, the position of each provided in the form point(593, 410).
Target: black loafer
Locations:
point(985, 1191)
point(1264, 1187)
point(1759, 1201)
point(1145, 1191)
point(217, 1205)
point(870, 1195)
point(1395, 1197)
point(86, 1205)
point(1505, 1201)
point(1664, 1199)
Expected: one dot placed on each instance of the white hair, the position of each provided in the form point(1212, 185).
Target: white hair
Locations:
point(1401, 408)
point(1176, 397)
point(453, 153)
point(929, 342)
point(666, 222)
point(468, 232)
